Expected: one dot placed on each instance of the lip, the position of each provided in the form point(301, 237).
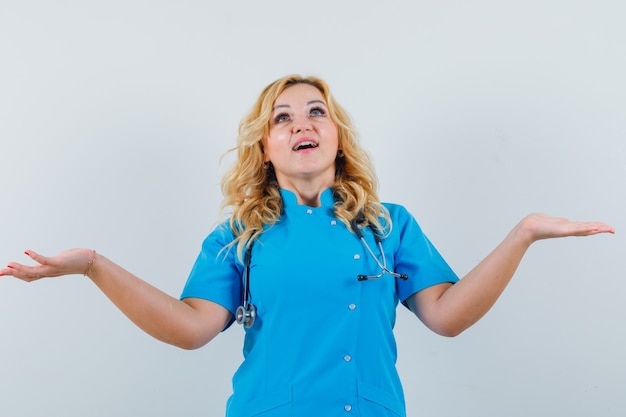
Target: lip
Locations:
point(305, 139)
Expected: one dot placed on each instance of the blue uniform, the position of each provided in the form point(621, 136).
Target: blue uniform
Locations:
point(322, 343)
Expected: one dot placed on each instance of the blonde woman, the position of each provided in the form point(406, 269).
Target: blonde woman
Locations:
point(313, 265)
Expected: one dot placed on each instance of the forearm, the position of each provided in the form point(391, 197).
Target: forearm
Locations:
point(157, 313)
point(464, 303)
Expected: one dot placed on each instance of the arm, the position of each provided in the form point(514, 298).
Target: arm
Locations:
point(450, 309)
point(188, 324)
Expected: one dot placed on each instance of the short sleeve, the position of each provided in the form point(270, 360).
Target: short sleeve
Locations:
point(216, 274)
point(416, 256)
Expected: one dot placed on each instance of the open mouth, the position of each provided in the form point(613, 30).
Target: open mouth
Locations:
point(305, 145)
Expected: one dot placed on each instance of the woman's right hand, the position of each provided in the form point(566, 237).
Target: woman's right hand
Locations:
point(68, 262)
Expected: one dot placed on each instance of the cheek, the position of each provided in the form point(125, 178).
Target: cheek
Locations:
point(333, 133)
point(276, 136)
point(273, 144)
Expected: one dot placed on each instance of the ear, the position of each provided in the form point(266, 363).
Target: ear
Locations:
point(266, 158)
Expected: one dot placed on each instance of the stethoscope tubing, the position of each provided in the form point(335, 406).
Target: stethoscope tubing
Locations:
point(383, 266)
point(356, 228)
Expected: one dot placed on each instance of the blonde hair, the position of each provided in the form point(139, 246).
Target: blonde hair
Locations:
point(251, 192)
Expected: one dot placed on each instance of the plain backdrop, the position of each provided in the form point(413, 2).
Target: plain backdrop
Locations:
point(113, 118)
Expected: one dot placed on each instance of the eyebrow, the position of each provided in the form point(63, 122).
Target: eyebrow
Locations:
point(308, 104)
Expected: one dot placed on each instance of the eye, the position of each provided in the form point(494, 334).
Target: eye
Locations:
point(281, 117)
point(317, 111)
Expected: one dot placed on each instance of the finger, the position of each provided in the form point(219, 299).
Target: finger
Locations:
point(37, 257)
point(603, 228)
point(23, 272)
point(587, 228)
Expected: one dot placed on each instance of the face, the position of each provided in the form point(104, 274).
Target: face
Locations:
point(302, 143)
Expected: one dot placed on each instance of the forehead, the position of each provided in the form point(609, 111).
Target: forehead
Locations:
point(298, 94)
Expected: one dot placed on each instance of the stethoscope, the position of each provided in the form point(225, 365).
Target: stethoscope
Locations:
point(246, 313)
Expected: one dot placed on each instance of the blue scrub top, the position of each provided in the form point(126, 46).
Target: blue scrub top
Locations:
point(322, 343)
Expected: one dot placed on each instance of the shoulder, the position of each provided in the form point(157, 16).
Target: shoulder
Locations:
point(395, 208)
point(403, 223)
point(398, 213)
point(222, 235)
point(222, 230)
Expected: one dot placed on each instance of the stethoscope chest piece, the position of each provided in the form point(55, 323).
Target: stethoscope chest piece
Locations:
point(245, 315)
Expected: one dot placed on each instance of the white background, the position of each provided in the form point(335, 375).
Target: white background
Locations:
point(113, 117)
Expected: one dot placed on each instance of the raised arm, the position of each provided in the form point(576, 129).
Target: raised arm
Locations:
point(188, 324)
point(450, 309)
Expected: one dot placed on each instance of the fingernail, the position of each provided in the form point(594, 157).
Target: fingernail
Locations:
point(9, 266)
point(27, 253)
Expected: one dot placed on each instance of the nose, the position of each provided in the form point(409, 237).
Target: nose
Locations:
point(302, 125)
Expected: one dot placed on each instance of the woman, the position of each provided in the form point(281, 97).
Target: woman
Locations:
point(318, 302)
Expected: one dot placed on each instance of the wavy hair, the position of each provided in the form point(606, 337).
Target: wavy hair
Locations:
point(251, 191)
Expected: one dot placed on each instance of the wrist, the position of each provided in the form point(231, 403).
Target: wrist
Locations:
point(92, 260)
point(524, 231)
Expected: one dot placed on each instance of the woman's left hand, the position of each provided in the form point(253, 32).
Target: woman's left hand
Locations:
point(542, 226)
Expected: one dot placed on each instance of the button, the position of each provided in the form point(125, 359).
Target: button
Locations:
point(333, 222)
point(347, 358)
point(347, 407)
point(352, 306)
point(309, 211)
point(357, 256)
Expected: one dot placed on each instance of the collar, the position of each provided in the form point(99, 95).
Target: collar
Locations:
point(290, 199)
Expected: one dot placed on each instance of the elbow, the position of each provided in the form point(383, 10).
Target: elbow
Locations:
point(189, 346)
point(181, 343)
point(451, 323)
point(448, 330)
point(192, 342)
point(194, 335)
